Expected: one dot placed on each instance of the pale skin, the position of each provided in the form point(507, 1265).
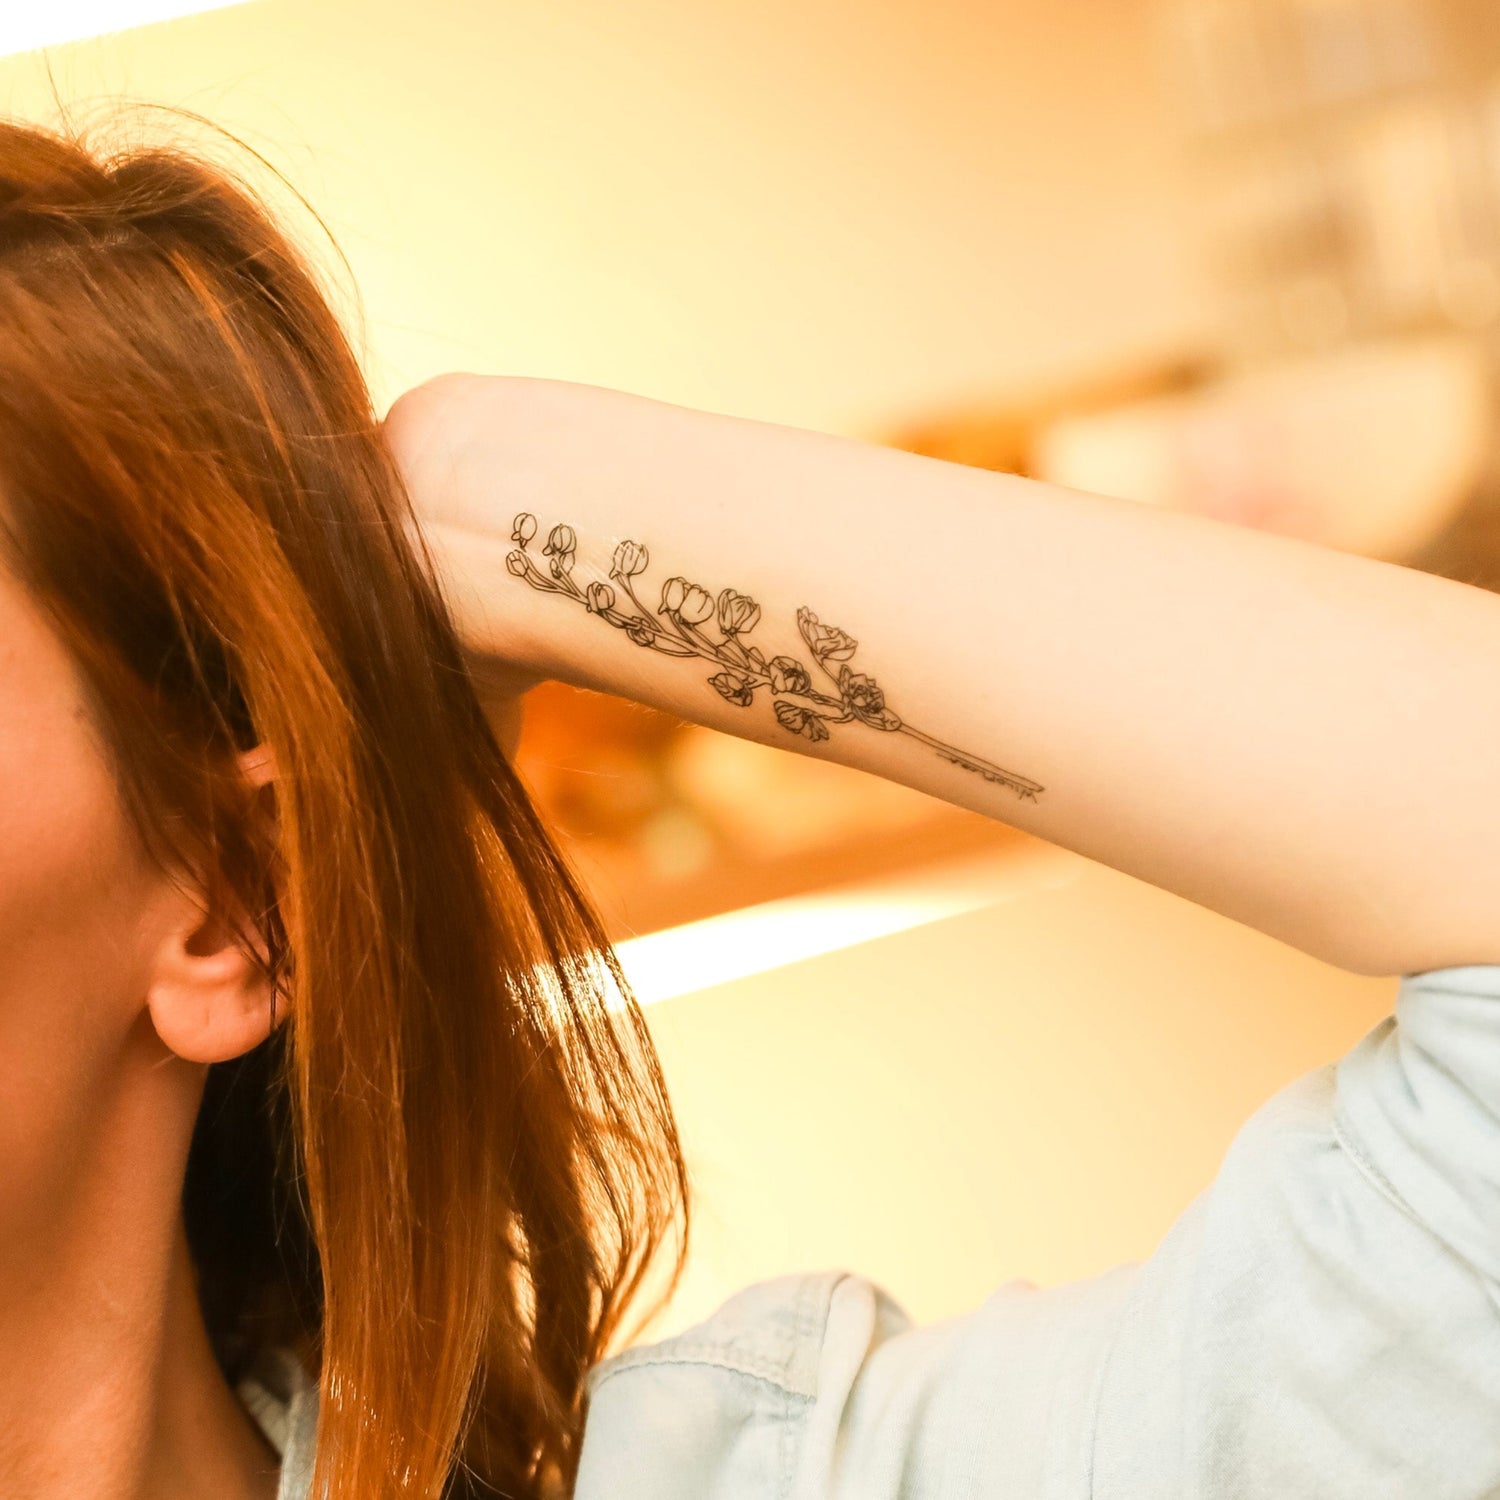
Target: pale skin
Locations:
point(1300, 740)
point(115, 993)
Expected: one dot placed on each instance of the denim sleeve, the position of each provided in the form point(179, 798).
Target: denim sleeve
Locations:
point(1321, 1323)
point(820, 1387)
point(1419, 1106)
point(720, 1412)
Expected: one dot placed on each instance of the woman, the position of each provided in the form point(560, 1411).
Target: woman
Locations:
point(335, 1146)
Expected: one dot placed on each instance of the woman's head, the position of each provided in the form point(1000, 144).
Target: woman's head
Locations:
point(252, 814)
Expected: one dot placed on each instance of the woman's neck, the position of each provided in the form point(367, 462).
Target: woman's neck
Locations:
point(109, 1386)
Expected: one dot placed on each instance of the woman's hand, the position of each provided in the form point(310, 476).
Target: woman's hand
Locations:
point(428, 446)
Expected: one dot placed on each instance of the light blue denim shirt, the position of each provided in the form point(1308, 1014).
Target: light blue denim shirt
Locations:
point(1322, 1323)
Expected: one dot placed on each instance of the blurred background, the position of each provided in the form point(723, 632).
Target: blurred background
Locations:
point(1235, 256)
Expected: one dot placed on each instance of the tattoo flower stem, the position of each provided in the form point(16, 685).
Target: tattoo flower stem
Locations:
point(675, 628)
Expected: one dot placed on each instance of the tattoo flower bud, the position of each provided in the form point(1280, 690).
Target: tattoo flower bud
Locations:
point(824, 641)
point(745, 668)
point(733, 687)
point(863, 697)
point(630, 558)
point(788, 675)
point(800, 720)
point(686, 600)
point(697, 605)
point(737, 611)
point(561, 541)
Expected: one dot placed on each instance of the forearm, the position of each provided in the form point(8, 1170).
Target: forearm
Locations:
point(1302, 740)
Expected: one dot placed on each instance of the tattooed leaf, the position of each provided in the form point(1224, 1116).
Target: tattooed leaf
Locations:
point(733, 688)
point(800, 720)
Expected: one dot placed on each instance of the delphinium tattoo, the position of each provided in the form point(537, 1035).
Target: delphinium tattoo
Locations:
point(676, 628)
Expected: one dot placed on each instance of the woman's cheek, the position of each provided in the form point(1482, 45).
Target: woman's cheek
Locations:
point(71, 896)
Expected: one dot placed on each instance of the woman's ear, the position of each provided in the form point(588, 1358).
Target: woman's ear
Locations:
point(258, 765)
point(209, 998)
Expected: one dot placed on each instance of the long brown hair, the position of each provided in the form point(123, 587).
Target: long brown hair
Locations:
point(446, 1174)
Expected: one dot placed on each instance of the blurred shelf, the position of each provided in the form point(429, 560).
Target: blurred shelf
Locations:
point(632, 906)
point(667, 822)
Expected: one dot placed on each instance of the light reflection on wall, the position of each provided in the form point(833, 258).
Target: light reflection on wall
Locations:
point(663, 965)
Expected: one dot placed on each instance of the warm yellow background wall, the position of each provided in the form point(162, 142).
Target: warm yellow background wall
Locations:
point(827, 212)
point(1032, 1090)
point(836, 213)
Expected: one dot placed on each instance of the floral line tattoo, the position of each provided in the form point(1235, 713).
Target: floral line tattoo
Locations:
point(800, 706)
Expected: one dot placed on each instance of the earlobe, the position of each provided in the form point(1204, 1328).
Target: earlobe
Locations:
point(209, 1000)
point(258, 765)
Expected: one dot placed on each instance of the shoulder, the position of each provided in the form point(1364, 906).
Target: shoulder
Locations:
point(1418, 1108)
point(1392, 1145)
point(1321, 1320)
point(809, 1386)
point(722, 1408)
point(773, 1330)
